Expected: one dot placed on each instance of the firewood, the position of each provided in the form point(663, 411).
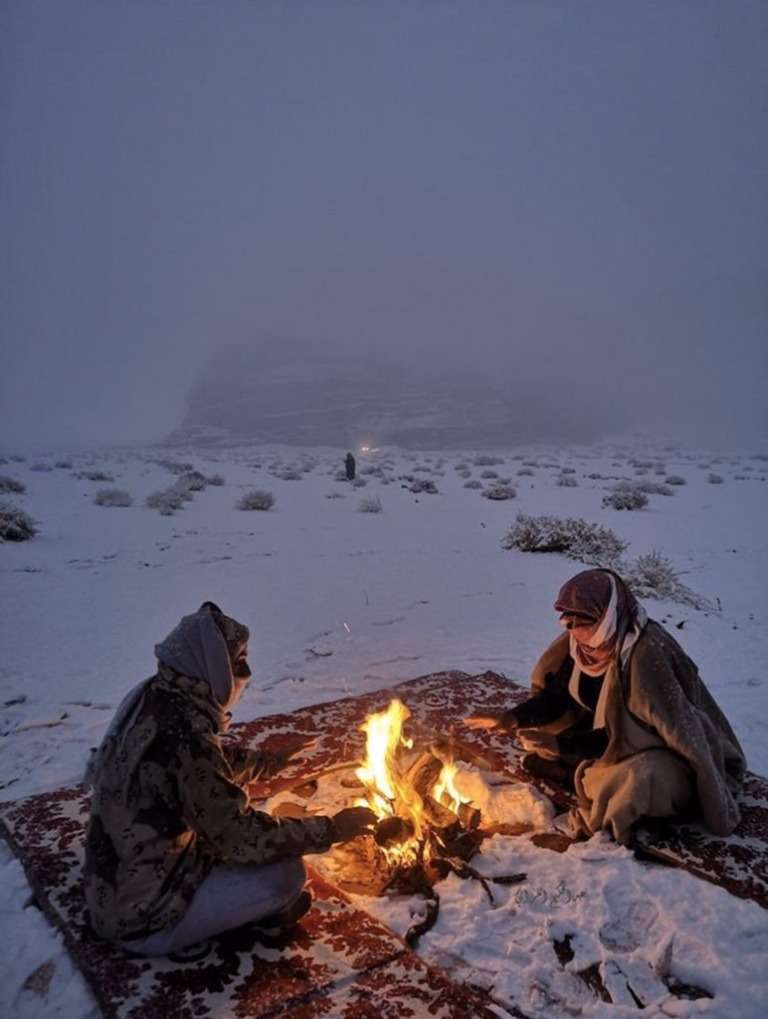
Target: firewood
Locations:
point(393, 831)
point(423, 773)
point(438, 815)
point(413, 933)
point(469, 816)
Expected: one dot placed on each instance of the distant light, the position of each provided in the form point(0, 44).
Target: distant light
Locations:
point(365, 449)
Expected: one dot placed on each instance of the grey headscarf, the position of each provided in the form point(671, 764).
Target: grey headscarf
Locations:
point(204, 646)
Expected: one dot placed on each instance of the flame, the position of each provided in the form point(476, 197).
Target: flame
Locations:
point(385, 791)
point(446, 786)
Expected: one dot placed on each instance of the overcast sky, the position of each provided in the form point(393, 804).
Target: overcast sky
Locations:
point(572, 195)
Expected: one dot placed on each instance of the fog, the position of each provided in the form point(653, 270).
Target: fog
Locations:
point(562, 202)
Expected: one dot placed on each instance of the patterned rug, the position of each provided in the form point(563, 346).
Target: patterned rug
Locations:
point(342, 963)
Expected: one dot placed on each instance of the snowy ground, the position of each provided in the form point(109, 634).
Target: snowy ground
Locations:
point(341, 602)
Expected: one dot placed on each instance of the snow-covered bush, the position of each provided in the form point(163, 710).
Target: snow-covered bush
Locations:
point(489, 474)
point(64, 465)
point(291, 474)
point(653, 576)
point(626, 499)
point(568, 470)
point(8, 484)
point(461, 467)
point(41, 468)
point(166, 501)
point(648, 487)
point(423, 486)
point(216, 480)
point(499, 493)
point(675, 479)
point(113, 497)
point(571, 536)
point(174, 467)
point(359, 483)
point(474, 483)
point(566, 481)
point(256, 499)
point(526, 472)
point(370, 504)
point(15, 524)
point(715, 479)
point(94, 476)
point(335, 495)
point(487, 461)
point(193, 481)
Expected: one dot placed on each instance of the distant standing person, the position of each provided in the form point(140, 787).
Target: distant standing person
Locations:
point(349, 467)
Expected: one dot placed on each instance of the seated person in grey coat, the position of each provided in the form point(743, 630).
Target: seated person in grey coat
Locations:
point(620, 712)
point(175, 852)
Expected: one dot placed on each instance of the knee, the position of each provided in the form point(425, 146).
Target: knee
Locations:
point(292, 877)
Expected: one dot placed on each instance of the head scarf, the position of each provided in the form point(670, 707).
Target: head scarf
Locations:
point(601, 599)
point(205, 645)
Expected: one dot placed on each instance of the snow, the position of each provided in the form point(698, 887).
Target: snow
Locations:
point(340, 602)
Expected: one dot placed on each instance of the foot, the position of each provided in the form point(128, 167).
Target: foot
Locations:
point(551, 771)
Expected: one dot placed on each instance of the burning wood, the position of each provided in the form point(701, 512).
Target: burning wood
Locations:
point(426, 829)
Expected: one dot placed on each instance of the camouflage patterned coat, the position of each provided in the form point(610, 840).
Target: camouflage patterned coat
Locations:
point(168, 803)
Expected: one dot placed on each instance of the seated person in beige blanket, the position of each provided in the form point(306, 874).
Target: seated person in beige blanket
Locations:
point(620, 711)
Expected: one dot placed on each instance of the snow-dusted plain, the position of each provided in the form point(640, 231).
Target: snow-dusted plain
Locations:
point(340, 602)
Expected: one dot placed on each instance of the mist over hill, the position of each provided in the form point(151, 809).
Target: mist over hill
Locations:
point(289, 391)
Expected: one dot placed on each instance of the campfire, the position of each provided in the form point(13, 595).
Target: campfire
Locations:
point(426, 828)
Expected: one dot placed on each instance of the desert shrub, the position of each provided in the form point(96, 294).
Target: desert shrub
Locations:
point(359, 483)
point(256, 499)
point(489, 474)
point(340, 475)
point(370, 504)
point(8, 484)
point(216, 480)
point(174, 467)
point(335, 495)
point(568, 470)
point(17, 459)
point(626, 499)
point(487, 461)
point(465, 474)
point(530, 463)
point(715, 479)
point(571, 536)
point(594, 476)
point(15, 524)
point(291, 474)
point(423, 486)
point(472, 484)
point(94, 476)
point(644, 465)
point(193, 481)
point(648, 487)
point(566, 481)
point(461, 467)
point(41, 468)
point(64, 465)
point(499, 493)
point(112, 497)
point(675, 479)
point(653, 576)
point(526, 472)
point(166, 501)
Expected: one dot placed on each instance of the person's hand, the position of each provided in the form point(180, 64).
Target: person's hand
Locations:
point(353, 821)
point(542, 743)
point(489, 720)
